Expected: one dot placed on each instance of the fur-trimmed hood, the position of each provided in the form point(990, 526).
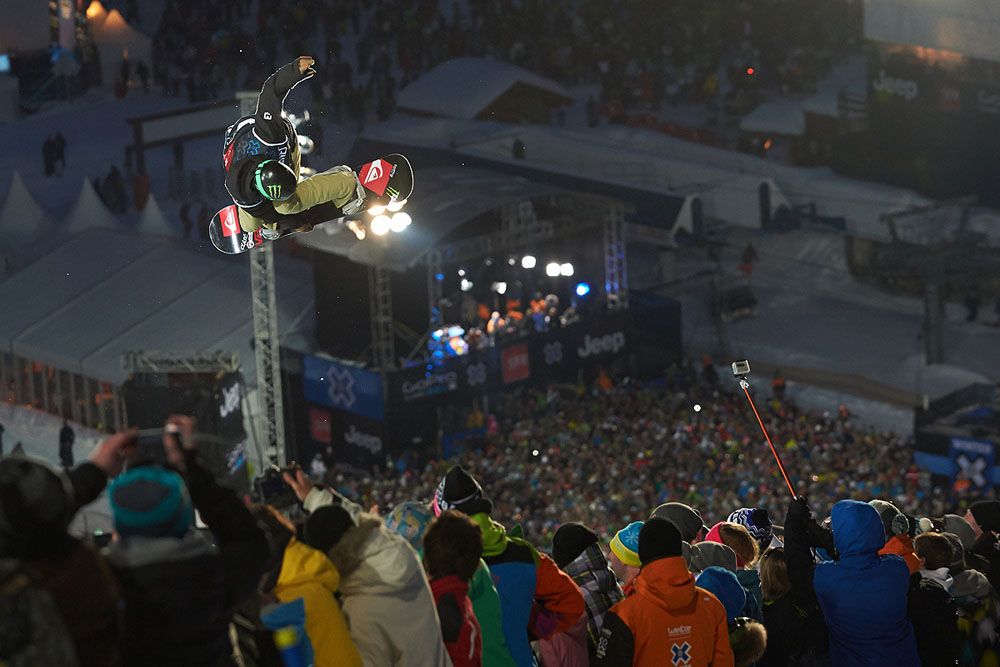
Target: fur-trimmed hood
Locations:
point(374, 561)
point(748, 642)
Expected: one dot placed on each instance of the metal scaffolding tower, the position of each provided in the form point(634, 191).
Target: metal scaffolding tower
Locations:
point(268, 353)
point(383, 332)
point(615, 266)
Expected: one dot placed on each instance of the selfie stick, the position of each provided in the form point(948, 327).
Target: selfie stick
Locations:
point(781, 467)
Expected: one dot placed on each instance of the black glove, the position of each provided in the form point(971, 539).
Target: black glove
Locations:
point(798, 510)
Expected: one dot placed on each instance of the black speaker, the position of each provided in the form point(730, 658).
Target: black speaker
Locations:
point(215, 403)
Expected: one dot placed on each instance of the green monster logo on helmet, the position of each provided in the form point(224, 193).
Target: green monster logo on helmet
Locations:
point(273, 179)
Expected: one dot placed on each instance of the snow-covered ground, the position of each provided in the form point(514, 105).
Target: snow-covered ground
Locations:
point(813, 314)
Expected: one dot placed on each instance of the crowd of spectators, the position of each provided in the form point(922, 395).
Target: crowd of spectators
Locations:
point(643, 55)
point(603, 456)
point(444, 580)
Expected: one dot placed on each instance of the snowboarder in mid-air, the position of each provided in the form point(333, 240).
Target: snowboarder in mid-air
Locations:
point(262, 162)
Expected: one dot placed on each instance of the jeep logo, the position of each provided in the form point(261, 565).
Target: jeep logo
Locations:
point(371, 443)
point(230, 401)
point(609, 343)
point(902, 87)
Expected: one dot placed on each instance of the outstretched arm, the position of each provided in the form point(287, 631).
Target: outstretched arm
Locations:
point(801, 534)
point(267, 119)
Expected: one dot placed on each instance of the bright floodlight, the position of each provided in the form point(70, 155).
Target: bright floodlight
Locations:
point(582, 289)
point(400, 221)
point(528, 262)
point(461, 272)
point(552, 269)
point(500, 287)
point(566, 269)
point(466, 285)
point(511, 261)
point(378, 209)
point(381, 225)
point(697, 407)
point(396, 205)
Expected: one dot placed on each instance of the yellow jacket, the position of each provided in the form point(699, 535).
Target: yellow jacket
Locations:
point(308, 574)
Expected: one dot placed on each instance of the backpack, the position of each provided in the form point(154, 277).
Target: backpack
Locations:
point(32, 632)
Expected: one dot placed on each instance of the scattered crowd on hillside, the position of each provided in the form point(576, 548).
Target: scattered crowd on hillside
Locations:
point(641, 55)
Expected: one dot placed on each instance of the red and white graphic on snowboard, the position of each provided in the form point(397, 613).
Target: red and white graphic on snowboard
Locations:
point(375, 176)
point(230, 221)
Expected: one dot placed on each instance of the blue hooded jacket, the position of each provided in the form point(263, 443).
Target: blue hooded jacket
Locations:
point(863, 595)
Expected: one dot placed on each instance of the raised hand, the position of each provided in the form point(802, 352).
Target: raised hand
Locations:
point(111, 454)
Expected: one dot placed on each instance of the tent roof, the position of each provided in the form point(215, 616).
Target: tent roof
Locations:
point(21, 218)
point(96, 15)
point(152, 220)
point(115, 29)
point(464, 87)
point(138, 292)
point(89, 211)
point(449, 198)
point(783, 117)
point(968, 27)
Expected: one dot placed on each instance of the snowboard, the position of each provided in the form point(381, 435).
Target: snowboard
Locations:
point(387, 182)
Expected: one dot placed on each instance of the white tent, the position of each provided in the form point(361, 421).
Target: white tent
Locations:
point(465, 87)
point(21, 219)
point(89, 212)
point(152, 220)
point(784, 117)
point(115, 39)
point(736, 201)
point(96, 16)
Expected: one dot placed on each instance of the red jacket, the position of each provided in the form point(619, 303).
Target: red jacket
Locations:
point(669, 621)
point(459, 627)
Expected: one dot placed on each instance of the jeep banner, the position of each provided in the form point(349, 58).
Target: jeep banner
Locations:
point(341, 437)
point(556, 355)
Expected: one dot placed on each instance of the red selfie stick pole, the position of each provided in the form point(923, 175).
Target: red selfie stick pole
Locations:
point(781, 466)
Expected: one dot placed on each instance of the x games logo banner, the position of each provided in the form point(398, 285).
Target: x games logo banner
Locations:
point(973, 461)
point(342, 387)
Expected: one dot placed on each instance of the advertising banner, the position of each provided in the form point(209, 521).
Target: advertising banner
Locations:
point(342, 387)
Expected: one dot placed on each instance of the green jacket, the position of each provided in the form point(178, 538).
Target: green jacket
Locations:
point(486, 606)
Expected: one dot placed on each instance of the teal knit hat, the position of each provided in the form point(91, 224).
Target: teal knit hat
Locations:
point(150, 501)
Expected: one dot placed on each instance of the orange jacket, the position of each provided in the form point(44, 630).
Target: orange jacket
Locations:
point(669, 621)
point(902, 545)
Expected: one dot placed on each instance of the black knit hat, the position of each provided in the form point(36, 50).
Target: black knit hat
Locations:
point(325, 527)
point(460, 491)
point(987, 514)
point(569, 541)
point(659, 538)
point(36, 507)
